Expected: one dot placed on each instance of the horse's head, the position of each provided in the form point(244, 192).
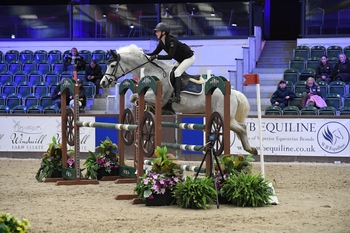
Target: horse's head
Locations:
point(112, 75)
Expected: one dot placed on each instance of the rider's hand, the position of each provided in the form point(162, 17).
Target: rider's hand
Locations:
point(153, 57)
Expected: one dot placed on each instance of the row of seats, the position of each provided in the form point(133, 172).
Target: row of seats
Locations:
point(51, 56)
point(293, 110)
point(36, 77)
point(44, 66)
point(40, 89)
point(335, 87)
point(318, 51)
point(301, 64)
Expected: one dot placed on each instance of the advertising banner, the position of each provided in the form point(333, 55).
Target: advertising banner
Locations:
point(22, 133)
point(306, 137)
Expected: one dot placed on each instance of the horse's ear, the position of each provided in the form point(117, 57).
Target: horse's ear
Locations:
point(113, 53)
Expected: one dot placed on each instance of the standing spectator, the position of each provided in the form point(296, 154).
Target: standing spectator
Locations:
point(281, 96)
point(324, 70)
point(82, 96)
point(93, 73)
point(312, 95)
point(73, 59)
point(342, 69)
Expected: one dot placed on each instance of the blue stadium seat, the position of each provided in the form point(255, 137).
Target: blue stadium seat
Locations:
point(300, 86)
point(65, 53)
point(13, 100)
point(51, 77)
point(31, 100)
point(58, 67)
point(291, 110)
point(46, 100)
point(309, 111)
point(44, 67)
point(89, 89)
point(40, 55)
point(35, 109)
point(15, 66)
point(6, 77)
point(26, 55)
point(81, 75)
point(54, 56)
point(19, 77)
point(66, 74)
point(307, 73)
point(302, 51)
point(29, 66)
point(52, 87)
point(329, 111)
point(52, 109)
point(334, 51)
point(297, 63)
point(4, 109)
point(11, 55)
point(347, 100)
point(344, 111)
point(323, 87)
point(317, 51)
point(346, 51)
point(4, 66)
point(1, 56)
point(337, 87)
point(19, 109)
point(291, 75)
point(2, 99)
point(41, 89)
point(98, 55)
point(9, 88)
point(35, 77)
point(312, 63)
point(25, 88)
point(296, 100)
point(333, 100)
point(86, 54)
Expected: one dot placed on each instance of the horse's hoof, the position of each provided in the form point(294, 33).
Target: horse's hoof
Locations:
point(254, 151)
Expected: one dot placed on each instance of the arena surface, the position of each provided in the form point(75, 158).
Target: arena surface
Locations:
point(313, 198)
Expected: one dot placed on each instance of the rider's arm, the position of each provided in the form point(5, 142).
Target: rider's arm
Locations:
point(156, 51)
point(172, 50)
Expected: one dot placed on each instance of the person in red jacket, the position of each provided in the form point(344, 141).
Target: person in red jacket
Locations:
point(175, 50)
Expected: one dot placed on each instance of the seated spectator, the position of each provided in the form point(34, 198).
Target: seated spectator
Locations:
point(73, 59)
point(324, 70)
point(56, 96)
point(93, 73)
point(281, 96)
point(82, 96)
point(342, 69)
point(312, 95)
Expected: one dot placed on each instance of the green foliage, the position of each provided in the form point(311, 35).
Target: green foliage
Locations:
point(11, 224)
point(230, 164)
point(106, 157)
point(247, 189)
point(164, 163)
point(195, 193)
point(52, 160)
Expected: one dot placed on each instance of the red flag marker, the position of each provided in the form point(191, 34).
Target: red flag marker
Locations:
point(251, 79)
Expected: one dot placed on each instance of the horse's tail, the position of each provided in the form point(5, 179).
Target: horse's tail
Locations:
point(243, 107)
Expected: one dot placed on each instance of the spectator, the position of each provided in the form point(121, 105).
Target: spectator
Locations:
point(342, 69)
point(56, 96)
point(324, 70)
point(312, 95)
point(281, 96)
point(93, 73)
point(73, 59)
point(82, 96)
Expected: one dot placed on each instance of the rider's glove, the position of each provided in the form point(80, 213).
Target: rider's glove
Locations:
point(153, 57)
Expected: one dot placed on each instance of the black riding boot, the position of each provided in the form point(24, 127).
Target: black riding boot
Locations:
point(177, 90)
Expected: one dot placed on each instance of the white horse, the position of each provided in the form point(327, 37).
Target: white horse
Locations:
point(131, 59)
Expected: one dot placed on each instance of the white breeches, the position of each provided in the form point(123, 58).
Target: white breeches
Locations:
point(184, 66)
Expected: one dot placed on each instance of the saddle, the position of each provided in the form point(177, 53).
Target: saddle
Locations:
point(185, 78)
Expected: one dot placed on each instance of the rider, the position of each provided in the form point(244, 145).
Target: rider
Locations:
point(175, 50)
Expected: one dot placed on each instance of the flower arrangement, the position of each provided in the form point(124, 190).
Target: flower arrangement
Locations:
point(11, 224)
point(230, 164)
point(105, 159)
point(151, 184)
point(52, 161)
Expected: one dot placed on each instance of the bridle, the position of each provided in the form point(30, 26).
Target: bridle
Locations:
point(116, 58)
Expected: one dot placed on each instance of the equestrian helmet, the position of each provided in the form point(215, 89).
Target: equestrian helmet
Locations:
point(162, 27)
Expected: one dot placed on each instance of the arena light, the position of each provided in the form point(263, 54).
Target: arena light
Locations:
point(28, 16)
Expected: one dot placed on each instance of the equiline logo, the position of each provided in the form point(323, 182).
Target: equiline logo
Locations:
point(333, 137)
point(28, 129)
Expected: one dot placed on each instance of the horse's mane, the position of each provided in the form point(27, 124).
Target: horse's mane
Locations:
point(134, 49)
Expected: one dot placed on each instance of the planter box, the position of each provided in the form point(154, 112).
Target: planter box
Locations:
point(101, 172)
point(160, 199)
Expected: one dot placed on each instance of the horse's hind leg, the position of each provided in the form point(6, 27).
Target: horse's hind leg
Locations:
point(240, 130)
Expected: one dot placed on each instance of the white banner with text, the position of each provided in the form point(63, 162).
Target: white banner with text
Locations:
point(22, 133)
point(304, 136)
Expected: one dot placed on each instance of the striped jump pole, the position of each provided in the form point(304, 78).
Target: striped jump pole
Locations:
point(183, 126)
point(184, 146)
point(92, 124)
point(181, 167)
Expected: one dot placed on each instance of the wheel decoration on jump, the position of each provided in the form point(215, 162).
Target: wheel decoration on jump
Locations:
point(147, 134)
point(128, 119)
point(216, 125)
point(70, 126)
